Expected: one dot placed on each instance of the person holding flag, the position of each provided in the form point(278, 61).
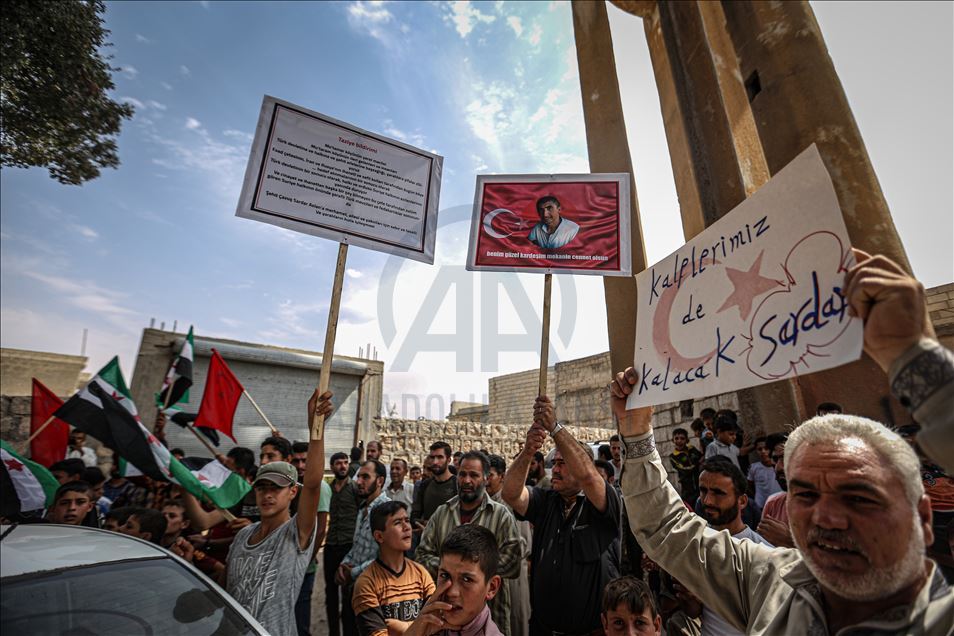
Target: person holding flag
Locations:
point(175, 386)
point(268, 559)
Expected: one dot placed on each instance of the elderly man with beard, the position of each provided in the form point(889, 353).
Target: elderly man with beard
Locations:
point(859, 517)
point(474, 505)
point(576, 530)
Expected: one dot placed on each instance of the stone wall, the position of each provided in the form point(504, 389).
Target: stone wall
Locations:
point(582, 393)
point(15, 420)
point(940, 302)
point(59, 372)
point(512, 396)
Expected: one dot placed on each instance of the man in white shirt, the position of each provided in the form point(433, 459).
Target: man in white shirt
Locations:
point(78, 449)
point(399, 489)
point(553, 231)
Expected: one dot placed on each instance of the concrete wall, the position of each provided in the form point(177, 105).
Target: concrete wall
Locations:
point(59, 372)
point(280, 380)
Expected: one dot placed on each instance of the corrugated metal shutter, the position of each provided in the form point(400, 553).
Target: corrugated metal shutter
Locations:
point(282, 392)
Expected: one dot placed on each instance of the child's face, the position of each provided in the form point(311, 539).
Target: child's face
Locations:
point(623, 622)
point(133, 529)
point(468, 590)
point(679, 440)
point(726, 437)
point(764, 455)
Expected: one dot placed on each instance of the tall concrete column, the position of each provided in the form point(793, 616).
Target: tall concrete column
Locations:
point(608, 151)
point(716, 142)
point(797, 99)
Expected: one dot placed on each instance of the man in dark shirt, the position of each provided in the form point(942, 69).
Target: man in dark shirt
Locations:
point(576, 532)
point(343, 518)
point(435, 491)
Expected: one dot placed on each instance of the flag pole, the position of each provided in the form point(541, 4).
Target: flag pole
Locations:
point(40, 430)
point(202, 439)
point(260, 412)
point(327, 356)
point(545, 336)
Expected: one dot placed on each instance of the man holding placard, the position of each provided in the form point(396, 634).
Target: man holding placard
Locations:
point(858, 513)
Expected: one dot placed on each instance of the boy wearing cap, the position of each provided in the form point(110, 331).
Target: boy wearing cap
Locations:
point(269, 558)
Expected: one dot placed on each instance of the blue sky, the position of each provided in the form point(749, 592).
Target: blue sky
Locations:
point(493, 87)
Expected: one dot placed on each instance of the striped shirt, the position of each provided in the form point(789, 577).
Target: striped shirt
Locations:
point(380, 593)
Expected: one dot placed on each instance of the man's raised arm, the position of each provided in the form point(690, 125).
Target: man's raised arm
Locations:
point(513, 489)
point(900, 338)
point(579, 460)
point(314, 472)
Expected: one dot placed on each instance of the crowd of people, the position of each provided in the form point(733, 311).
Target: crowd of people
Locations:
point(839, 524)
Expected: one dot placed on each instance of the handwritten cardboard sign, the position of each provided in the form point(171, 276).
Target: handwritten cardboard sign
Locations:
point(310, 173)
point(756, 297)
point(575, 223)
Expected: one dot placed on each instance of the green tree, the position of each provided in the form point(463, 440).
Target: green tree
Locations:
point(55, 111)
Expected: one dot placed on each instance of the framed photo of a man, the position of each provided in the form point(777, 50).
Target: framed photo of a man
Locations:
point(573, 224)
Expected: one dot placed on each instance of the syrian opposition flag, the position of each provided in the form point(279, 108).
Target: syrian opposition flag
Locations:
point(95, 409)
point(219, 484)
point(49, 446)
point(175, 387)
point(221, 396)
point(25, 486)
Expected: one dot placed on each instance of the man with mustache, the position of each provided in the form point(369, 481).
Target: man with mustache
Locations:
point(859, 517)
point(576, 530)
point(474, 505)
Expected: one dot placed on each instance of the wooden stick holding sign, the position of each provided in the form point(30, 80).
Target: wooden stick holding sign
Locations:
point(327, 355)
point(545, 335)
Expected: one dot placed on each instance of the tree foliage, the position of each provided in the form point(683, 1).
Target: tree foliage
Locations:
point(55, 111)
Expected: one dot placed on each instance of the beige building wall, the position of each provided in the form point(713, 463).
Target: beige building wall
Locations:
point(59, 372)
point(940, 304)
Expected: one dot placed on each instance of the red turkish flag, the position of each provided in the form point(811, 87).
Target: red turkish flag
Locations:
point(49, 446)
point(221, 396)
point(509, 214)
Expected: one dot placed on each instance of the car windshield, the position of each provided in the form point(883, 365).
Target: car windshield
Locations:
point(156, 596)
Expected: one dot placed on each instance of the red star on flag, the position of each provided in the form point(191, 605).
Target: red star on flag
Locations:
point(747, 286)
point(13, 464)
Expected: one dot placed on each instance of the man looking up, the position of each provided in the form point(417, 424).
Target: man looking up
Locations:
point(435, 491)
point(268, 559)
point(399, 489)
point(576, 540)
point(364, 549)
point(474, 505)
point(391, 591)
point(859, 516)
point(344, 515)
point(72, 502)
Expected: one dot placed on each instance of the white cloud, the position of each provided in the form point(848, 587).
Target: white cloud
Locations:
point(184, 70)
point(86, 232)
point(193, 124)
point(415, 138)
point(221, 162)
point(370, 17)
point(515, 23)
point(166, 85)
point(354, 273)
point(231, 322)
point(464, 16)
point(157, 105)
point(143, 39)
point(89, 297)
point(132, 101)
point(130, 71)
point(238, 134)
point(536, 32)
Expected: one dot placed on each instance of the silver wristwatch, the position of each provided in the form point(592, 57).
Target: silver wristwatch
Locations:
point(556, 429)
